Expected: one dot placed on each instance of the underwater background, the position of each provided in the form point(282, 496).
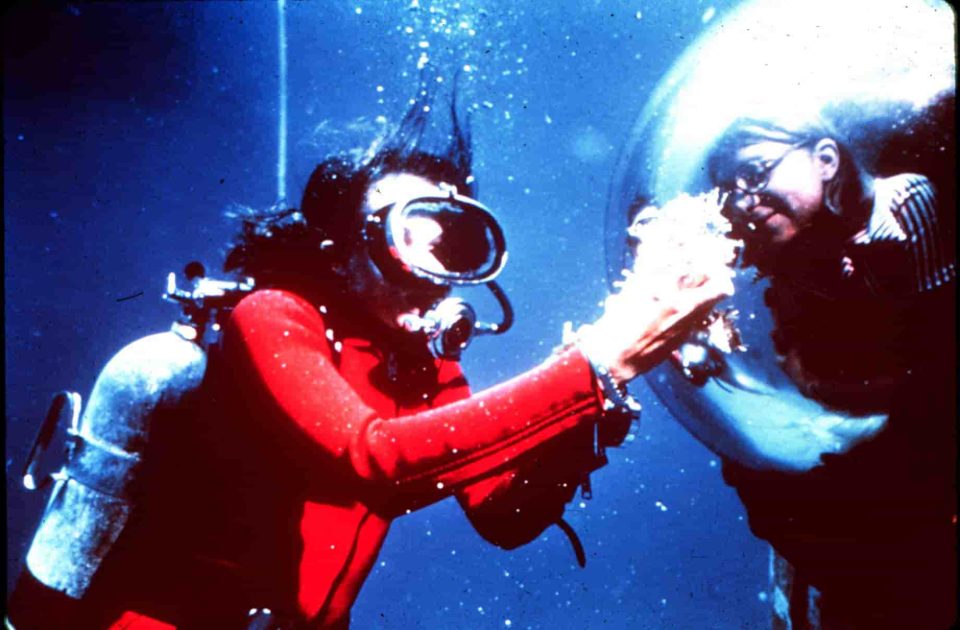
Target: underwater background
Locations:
point(129, 128)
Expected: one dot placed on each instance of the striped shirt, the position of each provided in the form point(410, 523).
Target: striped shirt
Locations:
point(902, 249)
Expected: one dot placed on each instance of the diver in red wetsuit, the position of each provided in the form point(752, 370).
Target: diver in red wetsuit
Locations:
point(334, 403)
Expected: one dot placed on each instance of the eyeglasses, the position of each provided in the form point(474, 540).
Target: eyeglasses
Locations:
point(753, 176)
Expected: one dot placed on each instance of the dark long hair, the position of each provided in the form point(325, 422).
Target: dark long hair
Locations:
point(307, 248)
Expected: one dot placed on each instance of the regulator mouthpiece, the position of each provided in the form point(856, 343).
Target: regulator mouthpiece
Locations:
point(452, 324)
point(449, 327)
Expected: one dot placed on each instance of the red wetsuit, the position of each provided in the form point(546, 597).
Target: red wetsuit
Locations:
point(315, 439)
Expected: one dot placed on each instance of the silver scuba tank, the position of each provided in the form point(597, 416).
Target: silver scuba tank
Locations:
point(95, 489)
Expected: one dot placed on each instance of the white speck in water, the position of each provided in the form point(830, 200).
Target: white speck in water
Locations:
point(708, 15)
point(507, 623)
point(762, 596)
point(408, 30)
point(583, 505)
point(659, 504)
point(547, 119)
point(424, 44)
point(638, 15)
point(379, 88)
point(358, 10)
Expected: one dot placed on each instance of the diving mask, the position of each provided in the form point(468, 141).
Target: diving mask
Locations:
point(447, 239)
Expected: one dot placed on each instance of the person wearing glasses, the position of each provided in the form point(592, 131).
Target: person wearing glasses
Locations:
point(335, 402)
point(862, 292)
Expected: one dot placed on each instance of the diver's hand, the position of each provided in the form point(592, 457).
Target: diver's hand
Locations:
point(649, 317)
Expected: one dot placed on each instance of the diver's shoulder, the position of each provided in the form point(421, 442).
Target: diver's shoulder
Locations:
point(272, 298)
point(274, 305)
point(902, 203)
point(904, 186)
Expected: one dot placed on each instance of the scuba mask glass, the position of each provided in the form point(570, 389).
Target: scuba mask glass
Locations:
point(446, 239)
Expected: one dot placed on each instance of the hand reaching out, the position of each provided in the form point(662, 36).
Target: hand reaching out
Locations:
point(682, 269)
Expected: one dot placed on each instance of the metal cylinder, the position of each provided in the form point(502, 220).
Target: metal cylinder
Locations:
point(96, 491)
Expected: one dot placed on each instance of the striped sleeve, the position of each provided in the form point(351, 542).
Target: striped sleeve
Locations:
point(914, 206)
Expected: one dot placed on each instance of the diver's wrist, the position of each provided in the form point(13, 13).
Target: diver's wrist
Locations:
point(615, 394)
point(611, 382)
point(604, 355)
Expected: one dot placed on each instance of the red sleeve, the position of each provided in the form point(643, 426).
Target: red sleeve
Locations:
point(512, 507)
point(276, 342)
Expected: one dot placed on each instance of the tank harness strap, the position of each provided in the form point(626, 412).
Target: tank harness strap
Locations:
point(574, 540)
point(101, 467)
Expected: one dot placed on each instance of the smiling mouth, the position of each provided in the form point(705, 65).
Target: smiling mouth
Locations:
point(766, 209)
point(755, 221)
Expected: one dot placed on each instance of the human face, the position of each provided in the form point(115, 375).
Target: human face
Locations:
point(778, 188)
point(391, 301)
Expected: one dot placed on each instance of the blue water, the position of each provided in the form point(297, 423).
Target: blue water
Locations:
point(129, 128)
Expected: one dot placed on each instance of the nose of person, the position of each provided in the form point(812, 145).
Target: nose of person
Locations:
point(738, 205)
point(742, 202)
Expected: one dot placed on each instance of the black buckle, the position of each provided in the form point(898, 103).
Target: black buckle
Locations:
point(65, 407)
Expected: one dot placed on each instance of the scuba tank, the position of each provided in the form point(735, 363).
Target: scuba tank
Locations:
point(95, 489)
